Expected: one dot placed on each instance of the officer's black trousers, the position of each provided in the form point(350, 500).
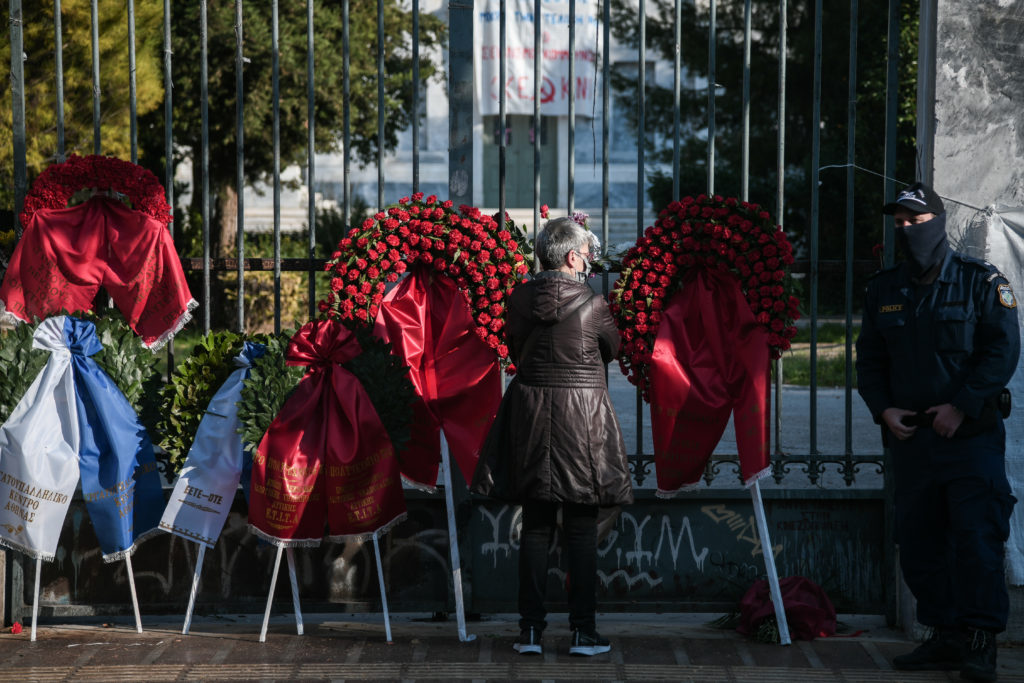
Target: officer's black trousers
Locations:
point(953, 506)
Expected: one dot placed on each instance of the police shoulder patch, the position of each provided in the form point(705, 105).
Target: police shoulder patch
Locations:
point(1006, 297)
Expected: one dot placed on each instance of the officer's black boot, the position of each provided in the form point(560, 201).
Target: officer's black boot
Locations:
point(980, 658)
point(943, 651)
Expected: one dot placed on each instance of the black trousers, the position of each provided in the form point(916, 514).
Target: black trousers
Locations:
point(953, 506)
point(579, 527)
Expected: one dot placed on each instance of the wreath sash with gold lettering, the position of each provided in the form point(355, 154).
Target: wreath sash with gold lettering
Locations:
point(326, 460)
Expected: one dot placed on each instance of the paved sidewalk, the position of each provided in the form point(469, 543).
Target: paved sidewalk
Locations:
point(663, 647)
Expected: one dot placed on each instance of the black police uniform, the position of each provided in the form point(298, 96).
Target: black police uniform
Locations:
point(954, 341)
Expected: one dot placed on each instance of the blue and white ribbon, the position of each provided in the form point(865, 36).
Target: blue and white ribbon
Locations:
point(209, 479)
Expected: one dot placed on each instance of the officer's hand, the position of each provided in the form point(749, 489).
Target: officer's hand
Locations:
point(891, 417)
point(947, 419)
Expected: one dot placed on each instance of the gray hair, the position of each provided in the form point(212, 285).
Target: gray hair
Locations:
point(560, 236)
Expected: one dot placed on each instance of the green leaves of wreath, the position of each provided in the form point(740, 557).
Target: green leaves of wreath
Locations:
point(271, 381)
point(129, 364)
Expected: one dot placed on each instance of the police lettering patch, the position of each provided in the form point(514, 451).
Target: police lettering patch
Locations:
point(1006, 297)
point(890, 308)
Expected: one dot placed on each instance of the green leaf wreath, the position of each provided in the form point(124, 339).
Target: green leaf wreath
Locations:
point(129, 364)
point(383, 375)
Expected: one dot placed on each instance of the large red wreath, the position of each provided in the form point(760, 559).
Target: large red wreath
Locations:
point(58, 184)
point(484, 259)
point(703, 232)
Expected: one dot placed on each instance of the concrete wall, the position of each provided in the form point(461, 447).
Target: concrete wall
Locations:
point(979, 138)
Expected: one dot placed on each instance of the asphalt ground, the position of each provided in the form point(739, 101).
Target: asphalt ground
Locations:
point(340, 647)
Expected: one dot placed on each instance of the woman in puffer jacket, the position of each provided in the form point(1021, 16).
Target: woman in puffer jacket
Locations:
point(555, 445)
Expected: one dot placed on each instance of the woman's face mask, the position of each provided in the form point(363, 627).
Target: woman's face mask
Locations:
point(923, 244)
point(582, 275)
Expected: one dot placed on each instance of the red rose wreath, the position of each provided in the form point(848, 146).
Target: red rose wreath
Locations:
point(55, 187)
point(703, 302)
point(483, 259)
point(93, 222)
point(445, 319)
point(703, 232)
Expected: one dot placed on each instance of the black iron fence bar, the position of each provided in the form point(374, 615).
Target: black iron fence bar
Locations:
point(780, 192)
point(96, 147)
point(58, 54)
point(380, 104)
point(168, 115)
point(745, 139)
point(851, 140)
point(502, 102)
point(346, 171)
point(676, 87)
point(712, 74)
point(133, 125)
point(641, 139)
point(204, 108)
point(926, 48)
point(311, 152)
point(813, 242)
point(416, 96)
point(570, 185)
point(18, 143)
point(892, 82)
point(275, 39)
point(537, 53)
point(605, 120)
point(240, 163)
point(168, 135)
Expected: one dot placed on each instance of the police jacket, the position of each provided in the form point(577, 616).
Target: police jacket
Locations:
point(954, 341)
point(556, 437)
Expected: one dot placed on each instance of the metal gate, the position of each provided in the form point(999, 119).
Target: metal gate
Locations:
point(828, 506)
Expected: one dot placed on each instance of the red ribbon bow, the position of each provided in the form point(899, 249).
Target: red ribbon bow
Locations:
point(455, 374)
point(326, 458)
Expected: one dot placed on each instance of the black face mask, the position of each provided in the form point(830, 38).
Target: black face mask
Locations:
point(924, 244)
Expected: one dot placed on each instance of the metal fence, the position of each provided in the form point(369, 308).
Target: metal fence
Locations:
point(809, 460)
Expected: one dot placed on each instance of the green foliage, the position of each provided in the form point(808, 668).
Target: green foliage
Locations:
point(257, 99)
point(831, 369)
point(828, 333)
point(270, 384)
point(386, 381)
point(764, 125)
point(19, 366)
point(185, 397)
point(382, 374)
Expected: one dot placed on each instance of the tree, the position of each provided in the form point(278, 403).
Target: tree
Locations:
point(257, 95)
point(870, 113)
point(41, 83)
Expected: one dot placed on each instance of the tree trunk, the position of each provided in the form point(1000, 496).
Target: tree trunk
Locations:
point(227, 209)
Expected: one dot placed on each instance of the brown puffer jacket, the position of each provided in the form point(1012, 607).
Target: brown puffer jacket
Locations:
point(556, 437)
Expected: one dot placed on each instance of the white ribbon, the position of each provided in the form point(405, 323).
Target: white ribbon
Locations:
point(209, 479)
point(39, 452)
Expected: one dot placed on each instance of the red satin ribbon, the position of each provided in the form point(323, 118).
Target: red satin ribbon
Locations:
point(66, 255)
point(456, 375)
point(326, 457)
point(710, 359)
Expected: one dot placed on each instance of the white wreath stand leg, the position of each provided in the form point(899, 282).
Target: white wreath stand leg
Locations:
point(273, 585)
point(35, 601)
point(769, 564)
point(135, 597)
point(295, 591)
point(453, 541)
point(383, 592)
point(195, 588)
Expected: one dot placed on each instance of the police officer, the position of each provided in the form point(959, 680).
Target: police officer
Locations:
point(938, 343)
